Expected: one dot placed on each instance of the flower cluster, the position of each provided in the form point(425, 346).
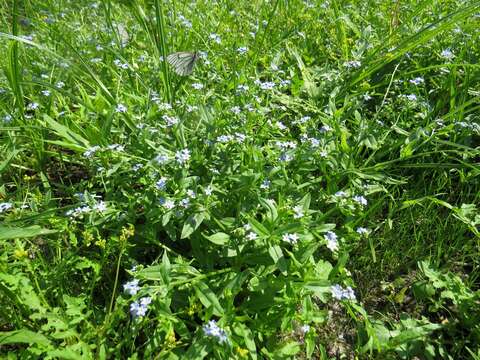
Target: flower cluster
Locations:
point(86, 209)
point(131, 287)
point(170, 120)
point(139, 308)
point(340, 293)
point(298, 212)
point(213, 330)
point(362, 231)
point(360, 200)
point(237, 137)
point(182, 156)
point(332, 242)
point(290, 238)
point(121, 108)
point(352, 64)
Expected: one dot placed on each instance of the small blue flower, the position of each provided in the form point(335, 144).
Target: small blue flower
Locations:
point(298, 210)
point(91, 151)
point(167, 203)
point(131, 287)
point(305, 328)
point(340, 293)
point(161, 183)
point(162, 159)
point(290, 238)
point(121, 108)
point(33, 106)
point(417, 81)
point(265, 184)
point(182, 156)
point(139, 308)
point(353, 64)
point(360, 199)
point(213, 330)
point(242, 50)
point(332, 242)
point(216, 38)
point(361, 230)
point(447, 54)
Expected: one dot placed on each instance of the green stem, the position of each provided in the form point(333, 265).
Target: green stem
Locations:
point(162, 47)
point(112, 300)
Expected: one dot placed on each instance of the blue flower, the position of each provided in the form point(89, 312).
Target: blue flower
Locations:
point(332, 242)
point(131, 287)
point(360, 199)
point(161, 184)
point(182, 156)
point(213, 330)
point(139, 308)
point(340, 293)
point(121, 108)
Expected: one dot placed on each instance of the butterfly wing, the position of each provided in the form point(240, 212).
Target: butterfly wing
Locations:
point(182, 62)
point(123, 34)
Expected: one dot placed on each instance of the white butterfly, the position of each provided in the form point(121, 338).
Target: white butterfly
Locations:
point(183, 62)
point(123, 34)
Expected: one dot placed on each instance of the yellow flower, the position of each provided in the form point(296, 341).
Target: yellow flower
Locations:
point(127, 232)
point(171, 339)
point(101, 243)
point(242, 352)
point(20, 254)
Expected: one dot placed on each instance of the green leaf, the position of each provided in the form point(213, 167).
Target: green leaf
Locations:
point(247, 335)
point(196, 351)
point(259, 228)
point(306, 251)
point(289, 349)
point(309, 344)
point(8, 158)
point(150, 273)
point(305, 202)
point(412, 334)
point(66, 145)
point(370, 142)
point(320, 288)
point(66, 354)
point(219, 238)
point(192, 224)
point(400, 296)
point(7, 232)
point(23, 336)
point(66, 133)
point(343, 140)
point(208, 298)
point(166, 218)
point(278, 258)
point(325, 227)
point(235, 285)
point(165, 269)
point(339, 266)
point(323, 269)
point(268, 204)
point(423, 290)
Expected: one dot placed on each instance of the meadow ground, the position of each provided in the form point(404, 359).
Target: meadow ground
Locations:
point(302, 183)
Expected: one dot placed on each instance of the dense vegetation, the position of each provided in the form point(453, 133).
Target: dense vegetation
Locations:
point(311, 190)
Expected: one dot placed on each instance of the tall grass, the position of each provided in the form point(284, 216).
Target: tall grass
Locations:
point(310, 191)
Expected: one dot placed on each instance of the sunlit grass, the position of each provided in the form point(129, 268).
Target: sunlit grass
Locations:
point(310, 191)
